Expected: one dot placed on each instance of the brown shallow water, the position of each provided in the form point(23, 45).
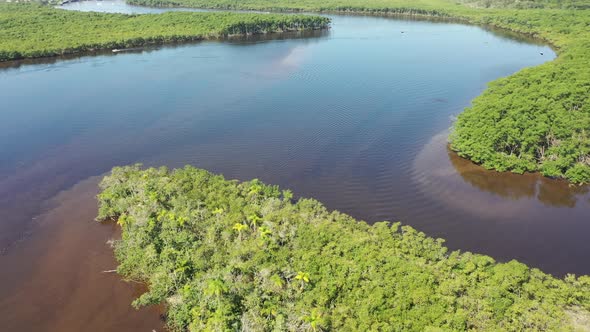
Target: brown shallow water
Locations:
point(56, 281)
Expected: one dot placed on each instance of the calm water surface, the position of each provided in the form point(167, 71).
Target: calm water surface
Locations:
point(356, 117)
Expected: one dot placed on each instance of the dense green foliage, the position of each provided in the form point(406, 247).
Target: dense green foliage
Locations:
point(528, 4)
point(30, 31)
point(539, 118)
point(426, 7)
point(225, 255)
point(535, 120)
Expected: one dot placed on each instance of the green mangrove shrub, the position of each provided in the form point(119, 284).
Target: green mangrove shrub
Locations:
point(32, 31)
point(227, 256)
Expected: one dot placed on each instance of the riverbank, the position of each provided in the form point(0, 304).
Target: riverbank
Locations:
point(34, 31)
point(534, 120)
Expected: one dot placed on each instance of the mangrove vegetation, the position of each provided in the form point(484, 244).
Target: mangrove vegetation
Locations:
point(33, 31)
point(245, 256)
point(535, 120)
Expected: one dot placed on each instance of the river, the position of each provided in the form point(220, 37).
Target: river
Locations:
point(355, 117)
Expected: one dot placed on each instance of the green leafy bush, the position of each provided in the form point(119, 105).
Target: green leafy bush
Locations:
point(579, 173)
point(32, 31)
point(225, 255)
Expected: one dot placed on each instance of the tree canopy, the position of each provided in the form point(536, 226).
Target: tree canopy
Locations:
point(227, 255)
point(32, 31)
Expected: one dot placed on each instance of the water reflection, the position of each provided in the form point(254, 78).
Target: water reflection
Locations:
point(233, 40)
point(556, 193)
point(498, 195)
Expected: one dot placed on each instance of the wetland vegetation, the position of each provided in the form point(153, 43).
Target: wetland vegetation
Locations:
point(33, 31)
point(228, 256)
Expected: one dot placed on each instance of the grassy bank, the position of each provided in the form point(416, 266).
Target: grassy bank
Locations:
point(535, 120)
point(230, 256)
point(32, 31)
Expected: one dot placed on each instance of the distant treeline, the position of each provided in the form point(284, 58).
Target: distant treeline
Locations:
point(230, 256)
point(535, 120)
point(528, 4)
point(32, 31)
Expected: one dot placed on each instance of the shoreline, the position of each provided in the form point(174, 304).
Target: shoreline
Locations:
point(134, 31)
point(121, 48)
point(407, 13)
point(413, 14)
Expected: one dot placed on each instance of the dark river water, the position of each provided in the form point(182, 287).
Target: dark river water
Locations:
point(355, 117)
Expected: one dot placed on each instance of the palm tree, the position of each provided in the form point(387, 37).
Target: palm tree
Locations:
point(303, 277)
point(239, 228)
point(264, 232)
point(254, 220)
